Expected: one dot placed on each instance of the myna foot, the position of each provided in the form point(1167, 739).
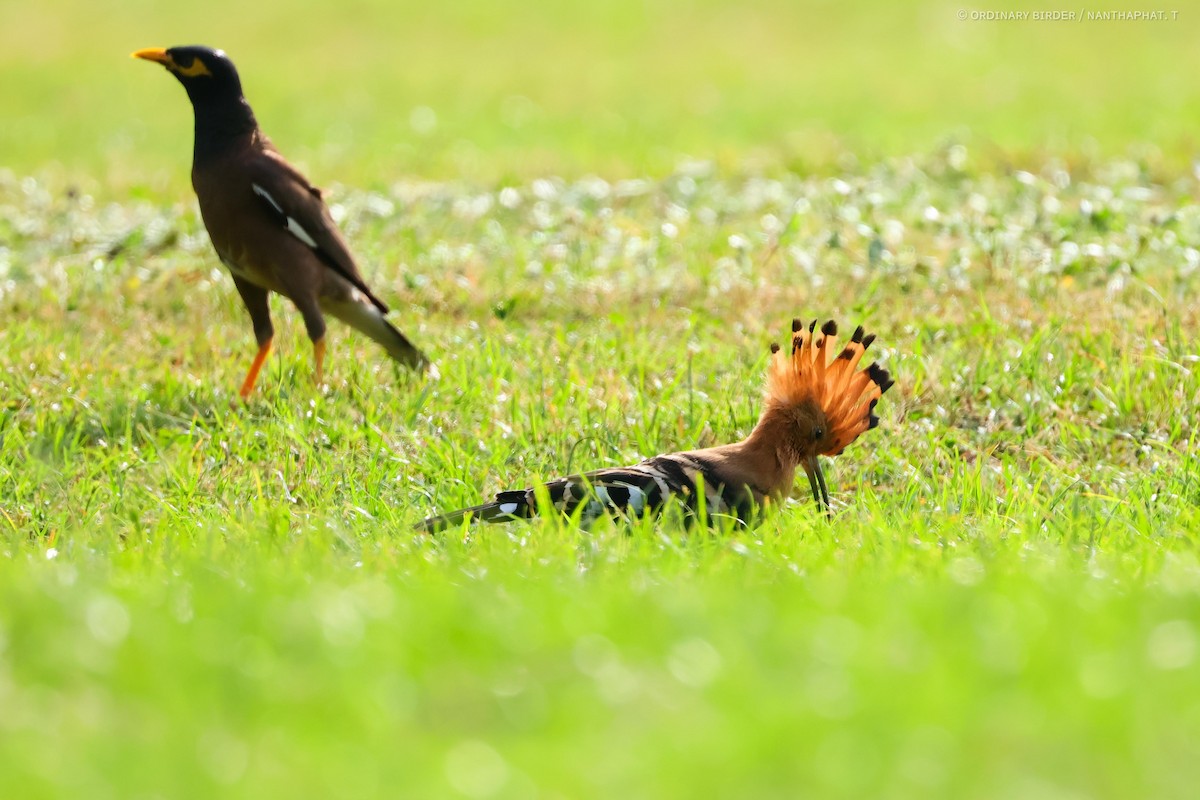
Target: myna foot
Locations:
point(319, 358)
point(264, 350)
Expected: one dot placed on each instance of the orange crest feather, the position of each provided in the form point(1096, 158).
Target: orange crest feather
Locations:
point(809, 372)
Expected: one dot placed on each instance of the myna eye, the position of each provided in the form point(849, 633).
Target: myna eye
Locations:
point(818, 433)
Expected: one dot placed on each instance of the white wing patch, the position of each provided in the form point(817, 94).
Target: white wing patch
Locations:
point(265, 195)
point(508, 508)
point(664, 488)
point(292, 226)
point(300, 233)
point(637, 498)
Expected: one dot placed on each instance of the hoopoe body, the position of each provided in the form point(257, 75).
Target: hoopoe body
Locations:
point(813, 406)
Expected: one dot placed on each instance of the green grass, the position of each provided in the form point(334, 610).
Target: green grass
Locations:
point(198, 597)
point(202, 598)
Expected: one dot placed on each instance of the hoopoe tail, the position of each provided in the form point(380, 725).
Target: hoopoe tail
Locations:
point(505, 506)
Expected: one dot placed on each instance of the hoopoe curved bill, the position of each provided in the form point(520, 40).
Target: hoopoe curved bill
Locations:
point(815, 405)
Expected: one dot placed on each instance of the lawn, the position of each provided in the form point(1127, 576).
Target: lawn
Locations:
point(597, 218)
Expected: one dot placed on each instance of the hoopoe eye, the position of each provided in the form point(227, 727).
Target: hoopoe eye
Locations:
point(818, 433)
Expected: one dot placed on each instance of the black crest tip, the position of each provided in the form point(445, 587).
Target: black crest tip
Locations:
point(796, 325)
point(880, 376)
point(867, 340)
point(858, 335)
point(774, 347)
point(829, 328)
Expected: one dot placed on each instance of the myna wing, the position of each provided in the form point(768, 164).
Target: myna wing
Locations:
point(296, 205)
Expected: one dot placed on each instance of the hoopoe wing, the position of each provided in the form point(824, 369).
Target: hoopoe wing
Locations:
point(625, 491)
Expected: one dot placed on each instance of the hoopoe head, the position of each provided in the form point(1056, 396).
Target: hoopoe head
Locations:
point(825, 400)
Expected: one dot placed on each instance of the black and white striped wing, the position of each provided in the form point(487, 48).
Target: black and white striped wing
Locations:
point(622, 492)
point(628, 491)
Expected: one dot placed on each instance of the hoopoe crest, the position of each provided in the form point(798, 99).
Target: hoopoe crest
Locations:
point(822, 398)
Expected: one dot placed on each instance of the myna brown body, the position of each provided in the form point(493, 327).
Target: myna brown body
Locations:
point(268, 224)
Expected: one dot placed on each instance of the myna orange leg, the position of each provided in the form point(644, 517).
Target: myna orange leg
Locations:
point(264, 350)
point(314, 323)
point(255, 298)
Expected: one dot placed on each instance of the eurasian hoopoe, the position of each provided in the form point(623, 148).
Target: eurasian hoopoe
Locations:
point(813, 407)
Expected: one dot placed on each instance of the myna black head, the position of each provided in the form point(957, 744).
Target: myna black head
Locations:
point(207, 74)
point(223, 117)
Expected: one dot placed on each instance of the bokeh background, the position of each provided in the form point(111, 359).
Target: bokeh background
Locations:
point(370, 90)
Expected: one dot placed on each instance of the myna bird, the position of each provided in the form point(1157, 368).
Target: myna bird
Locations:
point(268, 224)
point(814, 406)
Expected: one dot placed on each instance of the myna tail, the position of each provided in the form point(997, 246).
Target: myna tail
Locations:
point(370, 320)
point(505, 507)
point(399, 347)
